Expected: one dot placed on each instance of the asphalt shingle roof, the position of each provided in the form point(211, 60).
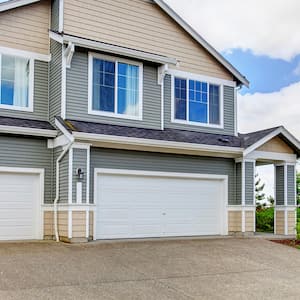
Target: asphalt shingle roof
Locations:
point(17, 122)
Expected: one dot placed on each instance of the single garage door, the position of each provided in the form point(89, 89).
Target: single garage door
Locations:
point(19, 206)
point(152, 205)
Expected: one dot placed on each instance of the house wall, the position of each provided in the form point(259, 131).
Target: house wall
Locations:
point(79, 161)
point(228, 112)
point(276, 145)
point(291, 185)
point(55, 15)
point(26, 28)
point(77, 96)
point(135, 160)
point(140, 25)
point(239, 183)
point(234, 221)
point(279, 188)
point(40, 96)
point(21, 152)
point(249, 183)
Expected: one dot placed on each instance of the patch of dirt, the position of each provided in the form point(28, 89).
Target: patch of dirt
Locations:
point(291, 243)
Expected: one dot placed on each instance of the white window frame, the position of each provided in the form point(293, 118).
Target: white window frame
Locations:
point(17, 53)
point(117, 60)
point(205, 79)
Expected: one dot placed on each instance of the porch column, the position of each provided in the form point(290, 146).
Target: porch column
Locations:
point(241, 217)
point(285, 199)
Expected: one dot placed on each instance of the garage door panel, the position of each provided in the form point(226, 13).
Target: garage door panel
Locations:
point(136, 206)
point(19, 195)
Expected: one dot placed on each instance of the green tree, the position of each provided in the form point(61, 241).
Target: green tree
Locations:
point(259, 187)
point(271, 200)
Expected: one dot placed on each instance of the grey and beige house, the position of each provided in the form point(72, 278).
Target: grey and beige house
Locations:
point(118, 120)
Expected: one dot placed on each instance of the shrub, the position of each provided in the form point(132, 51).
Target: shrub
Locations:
point(265, 220)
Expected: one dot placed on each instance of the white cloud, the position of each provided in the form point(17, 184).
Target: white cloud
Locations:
point(266, 27)
point(259, 110)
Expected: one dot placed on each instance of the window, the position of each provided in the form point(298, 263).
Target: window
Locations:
point(197, 102)
point(115, 87)
point(16, 82)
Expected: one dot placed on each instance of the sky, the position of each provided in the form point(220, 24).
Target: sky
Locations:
point(261, 39)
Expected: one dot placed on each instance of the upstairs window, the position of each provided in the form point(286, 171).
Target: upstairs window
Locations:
point(115, 87)
point(16, 82)
point(197, 102)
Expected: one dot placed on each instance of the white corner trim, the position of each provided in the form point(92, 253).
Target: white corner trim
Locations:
point(235, 112)
point(70, 175)
point(69, 52)
point(25, 54)
point(70, 224)
point(116, 60)
point(68, 135)
point(56, 37)
point(15, 3)
point(61, 16)
point(63, 82)
point(28, 131)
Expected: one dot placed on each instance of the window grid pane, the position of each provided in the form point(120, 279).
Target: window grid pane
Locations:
point(214, 104)
point(180, 99)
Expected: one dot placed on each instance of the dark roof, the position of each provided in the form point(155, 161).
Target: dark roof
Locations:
point(7, 121)
point(174, 135)
point(249, 139)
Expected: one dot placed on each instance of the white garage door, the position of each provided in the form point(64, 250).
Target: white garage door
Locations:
point(19, 205)
point(137, 206)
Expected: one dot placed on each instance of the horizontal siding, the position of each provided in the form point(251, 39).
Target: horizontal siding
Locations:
point(77, 96)
point(79, 161)
point(238, 184)
point(228, 112)
point(291, 188)
point(19, 152)
point(26, 28)
point(249, 183)
point(55, 82)
point(40, 96)
point(140, 25)
point(134, 160)
point(279, 189)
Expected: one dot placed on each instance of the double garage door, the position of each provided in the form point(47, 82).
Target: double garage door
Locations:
point(141, 205)
point(20, 206)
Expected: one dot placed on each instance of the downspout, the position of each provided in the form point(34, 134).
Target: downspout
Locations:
point(71, 139)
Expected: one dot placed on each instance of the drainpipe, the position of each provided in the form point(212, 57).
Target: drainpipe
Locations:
point(71, 139)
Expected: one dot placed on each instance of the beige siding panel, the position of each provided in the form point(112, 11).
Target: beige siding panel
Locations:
point(62, 223)
point(249, 221)
point(78, 224)
point(91, 224)
point(140, 25)
point(26, 28)
point(291, 222)
point(276, 145)
point(234, 221)
point(279, 222)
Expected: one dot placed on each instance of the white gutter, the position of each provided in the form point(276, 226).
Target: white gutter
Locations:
point(28, 131)
point(61, 156)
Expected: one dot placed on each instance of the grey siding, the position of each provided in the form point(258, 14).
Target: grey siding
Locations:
point(238, 183)
point(291, 188)
point(79, 161)
point(63, 176)
point(77, 96)
point(54, 14)
point(55, 82)
point(249, 183)
point(40, 96)
point(20, 152)
point(279, 189)
point(228, 112)
point(135, 160)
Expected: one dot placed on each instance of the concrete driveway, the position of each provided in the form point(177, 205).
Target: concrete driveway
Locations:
point(186, 269)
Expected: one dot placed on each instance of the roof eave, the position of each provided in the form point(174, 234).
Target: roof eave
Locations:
point(15, 3)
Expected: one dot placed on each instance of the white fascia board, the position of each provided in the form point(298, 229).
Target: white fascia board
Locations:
point(280, 130)
point(155, 143)
point(26, 54)
point(114, 49)
point(264, 155)
point(15, 3)
point(202, 41)
point(62, 128)
point(28, 131)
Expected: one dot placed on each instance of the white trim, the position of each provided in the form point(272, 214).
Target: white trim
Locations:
point(283, 207)
point(275, 156)
point(223, 178)
point(40, 216)
point(116, 60)
point(28, 131)
point(235, 112)
point(70, 224)
point(87, 223)
point(57, 142)
point(63, 82)
point(118, 50)
point(88, 175)
point(240, 208)
point(70, 179)
point(28, 108)
point(285, 184)
point(67, 207)
point(69, 52)
point(79, 192)
point(25, 54)
point(188, 77)
point(62, 128)
point(15, 3)
point(61, 16)
point(156, 143)
point(280, 130)
point(201, 41)
point(56, 37)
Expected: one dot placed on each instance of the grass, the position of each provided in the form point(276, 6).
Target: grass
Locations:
point(265, 220)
